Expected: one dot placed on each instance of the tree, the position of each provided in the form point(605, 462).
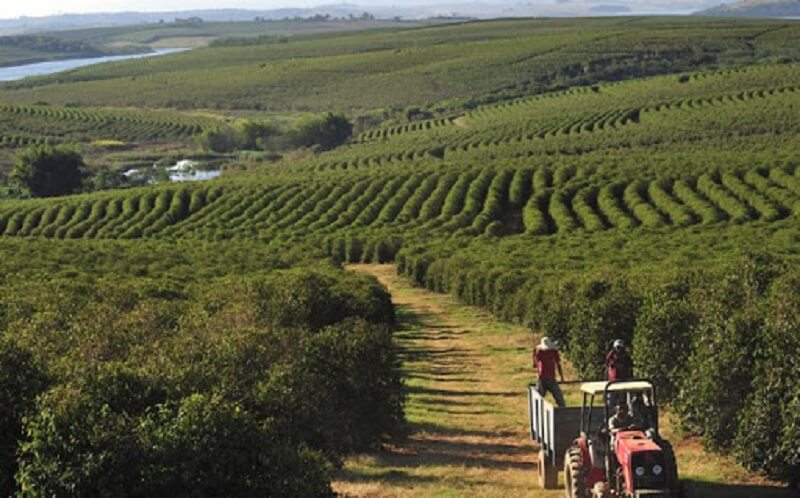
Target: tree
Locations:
point(254, 135)
point(328, 132)
point(244, 135)
point(46, 171)
point(106, 178)
point(221, 140)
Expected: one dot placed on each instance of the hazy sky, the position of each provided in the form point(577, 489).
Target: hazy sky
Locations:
point(16, 8)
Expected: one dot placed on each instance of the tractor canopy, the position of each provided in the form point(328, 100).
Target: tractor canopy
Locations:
point(599, 387)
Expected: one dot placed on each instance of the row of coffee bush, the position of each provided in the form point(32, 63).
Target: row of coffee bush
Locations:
point(720, 340)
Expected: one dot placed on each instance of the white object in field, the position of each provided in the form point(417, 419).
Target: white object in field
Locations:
point(183, 166)
point(600, 387)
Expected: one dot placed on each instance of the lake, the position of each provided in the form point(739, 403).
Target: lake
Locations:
point(13, 73)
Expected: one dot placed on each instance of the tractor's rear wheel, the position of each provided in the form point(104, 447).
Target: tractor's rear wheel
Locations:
point(574, 474)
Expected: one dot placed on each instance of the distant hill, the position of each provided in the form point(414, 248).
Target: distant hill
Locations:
point(81, 21)
point(755, 8)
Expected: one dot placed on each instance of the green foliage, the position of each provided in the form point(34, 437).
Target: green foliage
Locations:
point(327, 132)
point(105, 179)
point(724, 355)
point(662, 340)
point(409, 68)
point(22, 125)
point(768, 427)
point(210, 408)
point(209, 446)
point(600, 312)
point(218, 140)
point(350, 410)
point(243, 135)
point(45, 171)
point(21, 380)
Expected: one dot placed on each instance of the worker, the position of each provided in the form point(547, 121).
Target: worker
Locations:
point(619, 365)
point(547, 360)
point(640, 413)
point(621, 419)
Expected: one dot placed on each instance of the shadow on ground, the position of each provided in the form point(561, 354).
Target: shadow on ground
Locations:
point(702, 489)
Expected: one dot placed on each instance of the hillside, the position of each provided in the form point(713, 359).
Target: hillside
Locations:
point(755, 8)
point(462, 64)
point(175, 33)
point(131, 19)
point(632, 178)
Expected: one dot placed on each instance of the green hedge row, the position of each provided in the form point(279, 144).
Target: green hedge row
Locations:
point(251, 383)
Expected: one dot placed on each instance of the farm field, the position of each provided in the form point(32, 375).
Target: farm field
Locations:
point(375, 69)
point(92, 42)
point(634, 178)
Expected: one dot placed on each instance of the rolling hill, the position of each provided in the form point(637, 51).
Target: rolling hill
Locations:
point(632, 178)
point(755, 8)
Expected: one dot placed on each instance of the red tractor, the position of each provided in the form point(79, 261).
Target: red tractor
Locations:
point(619, 453)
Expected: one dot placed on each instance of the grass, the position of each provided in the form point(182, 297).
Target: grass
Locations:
point(466, 377)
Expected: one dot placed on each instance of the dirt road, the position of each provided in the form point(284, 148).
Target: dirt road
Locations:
point(466, 376)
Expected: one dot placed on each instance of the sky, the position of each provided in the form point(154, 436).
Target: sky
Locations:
point(17, 8)
point(10, 9)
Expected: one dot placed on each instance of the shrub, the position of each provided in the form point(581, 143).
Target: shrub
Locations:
point(341, 392)
point(328, 132)
point(21, 380)
point(721, 369)
point(218, 140)
point(81, 441)
point(769, 428)
point(315, 299)
point(662, 340)
point(601, 311)
point(206, 446)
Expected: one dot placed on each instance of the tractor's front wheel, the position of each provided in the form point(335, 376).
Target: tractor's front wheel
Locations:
point(574, 474)
point(672, 470)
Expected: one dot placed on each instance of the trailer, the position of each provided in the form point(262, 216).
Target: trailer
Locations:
point(554, 429)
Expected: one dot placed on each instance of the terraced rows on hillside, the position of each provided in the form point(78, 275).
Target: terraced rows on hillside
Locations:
point(655, 111)
point(493, 201)
point(651, 154)
point(22, 125)
point(480, 61)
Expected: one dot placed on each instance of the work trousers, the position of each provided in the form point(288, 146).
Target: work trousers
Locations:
point(550, 385)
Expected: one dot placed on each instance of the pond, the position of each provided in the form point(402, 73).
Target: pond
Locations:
point(183, 171)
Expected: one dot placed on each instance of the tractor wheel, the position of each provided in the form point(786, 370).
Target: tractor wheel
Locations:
point(574, 474)
point(671, 468)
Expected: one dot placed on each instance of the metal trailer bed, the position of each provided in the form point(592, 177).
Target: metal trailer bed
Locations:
point(554, 429)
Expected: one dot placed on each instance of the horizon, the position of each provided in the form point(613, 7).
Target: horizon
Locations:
point(54, 8)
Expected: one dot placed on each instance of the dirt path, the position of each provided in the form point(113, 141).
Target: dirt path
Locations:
point(466, 376)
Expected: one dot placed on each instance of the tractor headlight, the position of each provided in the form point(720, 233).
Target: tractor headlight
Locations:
point(658, 469)
point(640, 471)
